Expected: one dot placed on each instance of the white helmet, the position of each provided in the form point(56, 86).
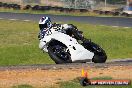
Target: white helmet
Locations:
point(45, 22)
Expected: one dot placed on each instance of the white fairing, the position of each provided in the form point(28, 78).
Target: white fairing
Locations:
point(42, 46)
point(77, 51)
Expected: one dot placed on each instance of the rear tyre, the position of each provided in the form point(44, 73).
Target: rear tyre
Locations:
point(99, 54)
point(58, 54)
point(99, 58)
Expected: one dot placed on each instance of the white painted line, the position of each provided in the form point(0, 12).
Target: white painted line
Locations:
point(115, 26)
point(26, 20)
point(13, 19)
point(1, 18)
point(126, 27)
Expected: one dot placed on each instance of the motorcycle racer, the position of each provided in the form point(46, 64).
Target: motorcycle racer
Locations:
point(65, 43)
point(45, 25)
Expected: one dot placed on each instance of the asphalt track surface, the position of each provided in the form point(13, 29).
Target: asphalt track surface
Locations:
point(127, 62)
point(111, 21)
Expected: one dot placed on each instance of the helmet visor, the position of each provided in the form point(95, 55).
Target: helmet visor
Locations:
point(42, 26)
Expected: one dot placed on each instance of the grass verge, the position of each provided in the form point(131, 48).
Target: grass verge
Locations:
point(75, 84)
point(23, 86)
point(19, 43)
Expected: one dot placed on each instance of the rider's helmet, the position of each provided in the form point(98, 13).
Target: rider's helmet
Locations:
point(45, 23)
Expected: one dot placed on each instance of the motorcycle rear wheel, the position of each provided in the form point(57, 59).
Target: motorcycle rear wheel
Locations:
point(99, 54)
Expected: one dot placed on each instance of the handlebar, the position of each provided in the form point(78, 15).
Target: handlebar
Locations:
point(56, 26)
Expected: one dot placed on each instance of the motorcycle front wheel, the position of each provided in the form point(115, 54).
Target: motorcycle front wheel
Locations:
point(58, 54)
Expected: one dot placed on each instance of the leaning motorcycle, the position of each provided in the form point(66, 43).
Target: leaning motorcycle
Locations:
point(70, 46)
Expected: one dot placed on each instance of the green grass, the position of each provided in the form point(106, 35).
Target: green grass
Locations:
point(103, 78)
point(19, 42)
point(76, 84)
point(23, 86)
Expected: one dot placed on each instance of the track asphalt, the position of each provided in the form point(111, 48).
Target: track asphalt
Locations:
point(111, 21)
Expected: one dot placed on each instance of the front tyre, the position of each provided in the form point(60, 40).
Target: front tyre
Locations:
point(58, 54)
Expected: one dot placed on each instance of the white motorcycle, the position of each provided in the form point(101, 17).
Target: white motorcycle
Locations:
point(70, 46)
